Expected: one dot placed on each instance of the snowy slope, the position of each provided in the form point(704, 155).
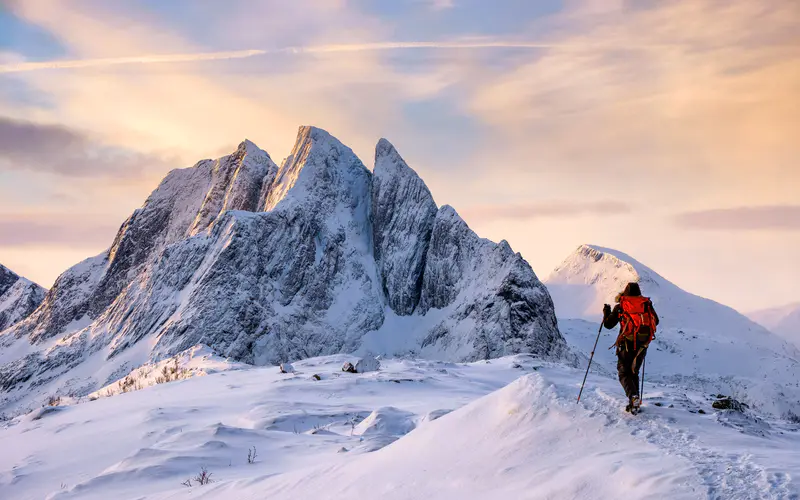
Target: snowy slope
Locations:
point(508, 428)
point(19, 297)
point(783, 321)
point(267, 264)
point(700, 342)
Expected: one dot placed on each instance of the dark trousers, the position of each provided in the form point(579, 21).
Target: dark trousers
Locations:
point(629, 362)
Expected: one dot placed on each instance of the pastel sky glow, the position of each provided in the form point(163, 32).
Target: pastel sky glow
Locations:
point(668, 130)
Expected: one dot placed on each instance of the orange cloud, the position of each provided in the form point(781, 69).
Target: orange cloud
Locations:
point(63, 151)
point(702, 87)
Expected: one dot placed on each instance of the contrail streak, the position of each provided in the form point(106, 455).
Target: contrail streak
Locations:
point(115, 61)
point(242, 54)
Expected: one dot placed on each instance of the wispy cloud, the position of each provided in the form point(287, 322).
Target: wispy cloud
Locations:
point(650, 102)
point(64, 151)
point(767, 218)
point(20, 67)
point(439, 5)
point(547, 209)
point(718, 98)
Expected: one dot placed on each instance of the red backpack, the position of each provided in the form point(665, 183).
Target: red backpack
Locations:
point(637, 321)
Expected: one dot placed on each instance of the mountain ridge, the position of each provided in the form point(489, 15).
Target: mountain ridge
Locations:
point(266, 264)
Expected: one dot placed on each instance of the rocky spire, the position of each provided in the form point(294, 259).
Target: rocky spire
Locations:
point(403, 212)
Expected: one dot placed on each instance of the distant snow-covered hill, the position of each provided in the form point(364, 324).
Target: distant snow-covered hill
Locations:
point(19, 297)
point(698, 338)
point(266, 264)
point(783, 321)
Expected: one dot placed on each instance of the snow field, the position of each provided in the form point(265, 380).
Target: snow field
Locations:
point(508, 428)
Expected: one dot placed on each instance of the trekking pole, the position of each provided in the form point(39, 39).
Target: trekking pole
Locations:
point(590, 361)
point(641, 393)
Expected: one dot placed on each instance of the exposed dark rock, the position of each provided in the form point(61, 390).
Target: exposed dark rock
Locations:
point(727, 403)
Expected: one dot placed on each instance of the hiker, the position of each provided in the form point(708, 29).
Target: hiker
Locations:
point(638, 321)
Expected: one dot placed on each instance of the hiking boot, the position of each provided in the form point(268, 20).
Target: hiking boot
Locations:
point(635, 404)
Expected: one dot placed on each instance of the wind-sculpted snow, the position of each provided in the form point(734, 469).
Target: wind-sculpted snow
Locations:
point(403, 212)
point(509, 429)
point(268, 265)
point(18, 297)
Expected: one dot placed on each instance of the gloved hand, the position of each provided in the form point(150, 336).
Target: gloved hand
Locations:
point(606, 310)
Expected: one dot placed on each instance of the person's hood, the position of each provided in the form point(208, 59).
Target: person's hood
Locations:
point(631, 290)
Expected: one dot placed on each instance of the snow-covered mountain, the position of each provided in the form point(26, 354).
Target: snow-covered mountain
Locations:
point(19, 297)
point(266, 264)
point(783, 321)
point(698, 338)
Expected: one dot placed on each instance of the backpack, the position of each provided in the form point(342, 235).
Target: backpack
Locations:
point(637, 321)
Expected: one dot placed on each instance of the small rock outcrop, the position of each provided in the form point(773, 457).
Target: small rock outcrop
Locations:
point(367, 364)
point(728, 403)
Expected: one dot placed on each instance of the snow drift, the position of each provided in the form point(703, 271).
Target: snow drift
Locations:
point(522, 441)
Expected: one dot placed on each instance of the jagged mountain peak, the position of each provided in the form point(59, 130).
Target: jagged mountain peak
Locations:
point(387, 155)
point(318, 165)
point(315, 142)
point(19, 297)
point(267, 264)
point(314, 133)
point(250, 147)
point(403, 213)
point(7, 278)
point(389, 162)
point(384, 147)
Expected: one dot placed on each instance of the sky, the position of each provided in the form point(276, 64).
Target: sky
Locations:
point(667, 130)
